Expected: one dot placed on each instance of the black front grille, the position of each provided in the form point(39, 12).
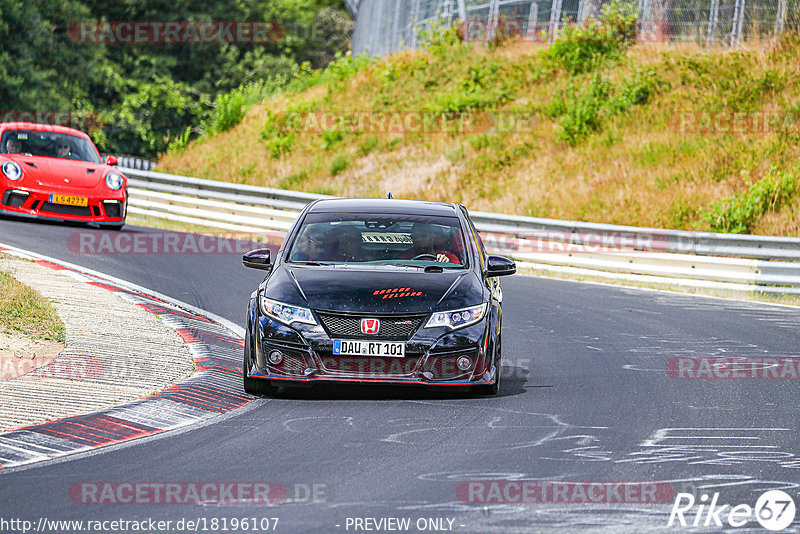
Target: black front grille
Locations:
point(65, 210)
point(394, 327)
point(113, 208)
point(372, 366)
point(292, 364)
point(14, 199)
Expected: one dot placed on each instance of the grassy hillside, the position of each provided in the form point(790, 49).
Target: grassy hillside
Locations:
point(647, 135)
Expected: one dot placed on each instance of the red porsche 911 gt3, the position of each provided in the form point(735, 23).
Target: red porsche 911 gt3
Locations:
point(55, 172)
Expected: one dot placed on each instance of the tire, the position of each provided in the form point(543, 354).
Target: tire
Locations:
point(116, 227)
point(254, 386)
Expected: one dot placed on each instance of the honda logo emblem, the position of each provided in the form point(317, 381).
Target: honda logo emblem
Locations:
point(370, 326)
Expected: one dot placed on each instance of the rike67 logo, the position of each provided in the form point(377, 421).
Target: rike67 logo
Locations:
point(774, 510)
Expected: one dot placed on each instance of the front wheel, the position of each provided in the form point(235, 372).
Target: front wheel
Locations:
point(254, 386)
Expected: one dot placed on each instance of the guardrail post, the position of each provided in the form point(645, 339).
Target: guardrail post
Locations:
point(738, 20)
point(555, 19)
point(395, 26)
point(713, 19)
point(781, 17)
point(494, 14)
point(533, 22)
point(646, 26)
point(462, 10)
point(415, 24)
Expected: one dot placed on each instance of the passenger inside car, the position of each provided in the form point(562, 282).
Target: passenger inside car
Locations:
point(310, 246)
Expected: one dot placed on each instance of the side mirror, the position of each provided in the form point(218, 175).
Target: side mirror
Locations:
point(499, 266)
point(257, 259)
point(111, 160)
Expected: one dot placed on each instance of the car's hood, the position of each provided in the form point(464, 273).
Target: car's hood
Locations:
point(62, 172)
point(374, 291)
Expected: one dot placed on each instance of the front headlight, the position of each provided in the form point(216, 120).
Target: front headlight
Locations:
point(12, 170)
point(113, 181)
point(457, 318)
point(285, 313)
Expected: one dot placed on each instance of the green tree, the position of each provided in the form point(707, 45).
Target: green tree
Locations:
point(41, 69)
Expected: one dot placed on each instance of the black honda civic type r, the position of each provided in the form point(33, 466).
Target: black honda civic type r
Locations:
point(377, 291)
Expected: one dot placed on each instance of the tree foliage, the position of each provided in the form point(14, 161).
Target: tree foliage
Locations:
point(148, 94)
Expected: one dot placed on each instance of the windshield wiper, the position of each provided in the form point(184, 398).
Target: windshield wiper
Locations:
point(426, 268)
point(312, 263)
point(396, 264)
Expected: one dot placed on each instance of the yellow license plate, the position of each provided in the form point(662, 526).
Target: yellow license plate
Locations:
point(69, 201)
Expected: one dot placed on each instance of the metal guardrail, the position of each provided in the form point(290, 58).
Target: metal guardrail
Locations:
point(133, 162)
point(700, 259)
point(679, 241)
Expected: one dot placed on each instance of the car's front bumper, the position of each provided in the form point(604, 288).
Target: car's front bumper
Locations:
point(105, 209)
point(431, 358)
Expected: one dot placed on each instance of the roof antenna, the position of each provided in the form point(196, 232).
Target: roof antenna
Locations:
point(389, 195)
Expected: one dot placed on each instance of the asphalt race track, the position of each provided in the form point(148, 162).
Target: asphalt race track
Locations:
point(585, 397)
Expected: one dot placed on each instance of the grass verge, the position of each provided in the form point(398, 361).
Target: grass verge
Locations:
point(24, 310)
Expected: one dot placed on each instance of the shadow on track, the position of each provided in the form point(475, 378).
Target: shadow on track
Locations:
point(512, 383)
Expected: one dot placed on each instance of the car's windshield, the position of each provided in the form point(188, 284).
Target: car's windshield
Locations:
point(380, 238)
point(51, 144)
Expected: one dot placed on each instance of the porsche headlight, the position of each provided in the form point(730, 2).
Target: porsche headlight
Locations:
point(457, 318)
point(285, 313)
point(113, 181)
point(12, 171)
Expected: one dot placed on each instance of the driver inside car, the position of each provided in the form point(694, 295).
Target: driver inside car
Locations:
point(64, 149)
point(427, 247)
point(350, 245)
point(13, 146)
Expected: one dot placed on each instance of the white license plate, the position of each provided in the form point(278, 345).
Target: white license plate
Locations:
point(391, 349)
